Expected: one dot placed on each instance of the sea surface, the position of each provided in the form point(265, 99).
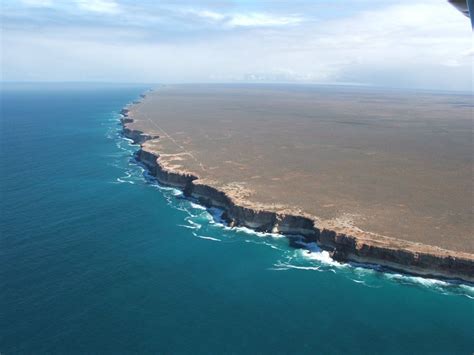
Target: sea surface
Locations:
point(96, 257)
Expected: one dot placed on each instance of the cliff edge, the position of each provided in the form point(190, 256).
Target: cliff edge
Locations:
point(344, 243)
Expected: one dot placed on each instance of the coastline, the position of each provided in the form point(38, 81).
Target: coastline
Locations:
point(344, 246)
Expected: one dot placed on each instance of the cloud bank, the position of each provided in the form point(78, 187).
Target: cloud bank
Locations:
point(391, 43)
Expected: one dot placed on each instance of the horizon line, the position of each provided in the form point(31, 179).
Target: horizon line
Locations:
point(250, 83)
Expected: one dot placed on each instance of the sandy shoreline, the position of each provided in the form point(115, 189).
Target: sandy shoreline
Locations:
point(344, 243)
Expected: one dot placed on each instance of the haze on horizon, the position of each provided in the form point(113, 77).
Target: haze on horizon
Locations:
point(409, 44)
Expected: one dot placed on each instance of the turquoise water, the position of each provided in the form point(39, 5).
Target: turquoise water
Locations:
point(96, 258)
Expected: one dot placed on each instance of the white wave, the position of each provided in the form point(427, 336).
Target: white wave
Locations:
point(249, 231)
point(445, 287)
point(193, 224)
point(128, 140)
point(177, 192)
point(278, 268)
point(313, 252)
point(287, 266)
point(415, 279)
point(124, 181)
point(190, 214)
point(468, 294)
point(170, 202)
point(469, 289)
point(174, 191)
point(310, 258)
point(126, 149)
point(198, 207)
point(362, 271)
point(207, 238)
point(187, 226)
point(141, 169)
point(207, 217)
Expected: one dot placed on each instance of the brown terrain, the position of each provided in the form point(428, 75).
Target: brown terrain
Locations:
point(375, 176)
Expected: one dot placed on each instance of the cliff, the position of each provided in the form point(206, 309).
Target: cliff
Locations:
point(344, 246)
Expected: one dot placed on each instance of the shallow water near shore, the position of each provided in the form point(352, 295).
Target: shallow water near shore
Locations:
point(97, 257)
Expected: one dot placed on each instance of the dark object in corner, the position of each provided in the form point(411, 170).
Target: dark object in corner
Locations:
point(465, 6)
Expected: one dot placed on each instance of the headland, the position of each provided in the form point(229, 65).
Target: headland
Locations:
point(374, 177)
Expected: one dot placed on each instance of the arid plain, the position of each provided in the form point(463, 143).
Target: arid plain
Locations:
point(390, 163)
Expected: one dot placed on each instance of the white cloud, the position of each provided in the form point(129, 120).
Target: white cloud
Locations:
point(262, 19)
point(99, 6)
point(38, 3)
point(206, 14)
point(422, 44)
point(250, 19)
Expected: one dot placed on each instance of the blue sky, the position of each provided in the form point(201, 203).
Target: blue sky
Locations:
point(405, 43)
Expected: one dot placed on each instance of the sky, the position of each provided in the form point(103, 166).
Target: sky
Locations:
point(403, 43)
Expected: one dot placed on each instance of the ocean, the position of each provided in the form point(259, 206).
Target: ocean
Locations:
point(96, 257)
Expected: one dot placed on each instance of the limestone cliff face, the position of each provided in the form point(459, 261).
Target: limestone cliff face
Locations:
point(262, 221)
point(209, 196)
point(346, 247)
point(288, 224)
point(258, 220)
point(343, 247)
point(147, 159)
point(125, 120)
point(138, 137)
point(181, 181)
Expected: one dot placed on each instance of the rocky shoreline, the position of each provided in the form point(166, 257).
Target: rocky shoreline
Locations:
point(408, 257)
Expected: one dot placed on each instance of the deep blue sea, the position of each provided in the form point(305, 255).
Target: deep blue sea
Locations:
point(97, 258)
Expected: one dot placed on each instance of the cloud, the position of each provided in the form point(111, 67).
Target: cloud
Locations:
point(99, 6)
point(407, 44)
point(246, 19)
point(209, 15)
point(261, 19)
point(38, 3)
